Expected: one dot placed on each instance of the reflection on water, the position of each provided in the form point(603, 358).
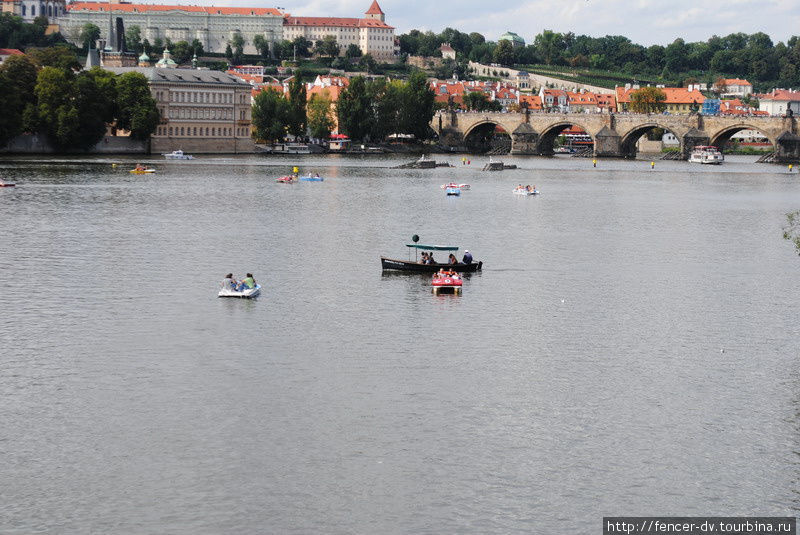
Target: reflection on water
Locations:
point(629, 347)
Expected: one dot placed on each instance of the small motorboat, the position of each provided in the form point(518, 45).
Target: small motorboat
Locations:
point(446, 282)
point(178, 155)
point(143, 171)
point(288, 179)
point(6, 184)
point(249, 293)
point(312, 178)
point(454, 185)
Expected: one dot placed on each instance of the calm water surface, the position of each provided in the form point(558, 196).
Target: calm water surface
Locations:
point(630, 348)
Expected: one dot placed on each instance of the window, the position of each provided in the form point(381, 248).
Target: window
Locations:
point(181, 130)
point(170, 130)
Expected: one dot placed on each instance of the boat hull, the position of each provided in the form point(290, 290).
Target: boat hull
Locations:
point(7, 185)
point(312, 178)
point(246, 294)
point(414, 267)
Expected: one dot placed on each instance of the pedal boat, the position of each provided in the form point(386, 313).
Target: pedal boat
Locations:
point(249, 293)
point(446, 282)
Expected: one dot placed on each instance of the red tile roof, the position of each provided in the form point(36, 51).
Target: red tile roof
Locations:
point(780, 94)
point(11, 52)
point(675, 95)
point(144, 8)
point(735, 81)
point(534, 101)
point(341, 22)
point(374, 9)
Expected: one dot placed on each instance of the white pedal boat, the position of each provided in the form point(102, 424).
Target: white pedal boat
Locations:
point(244, 294)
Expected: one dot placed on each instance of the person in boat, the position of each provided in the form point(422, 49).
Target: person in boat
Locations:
point(425, 259)
point(229, 283)
point(430, 258)
point(139, 167)
point(248, 283)
point(316, 175)
point(452, 259)
point(467, 257)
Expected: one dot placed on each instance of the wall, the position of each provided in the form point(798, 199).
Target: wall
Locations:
point(36, 144)
point(203, 145)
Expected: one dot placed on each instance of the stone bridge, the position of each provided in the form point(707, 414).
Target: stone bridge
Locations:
point(616, 134)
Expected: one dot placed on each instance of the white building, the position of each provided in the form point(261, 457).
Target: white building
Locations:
point(30, 9)
point(371, 34)
point(214, 27)
point(779, 102)
point(734, 87)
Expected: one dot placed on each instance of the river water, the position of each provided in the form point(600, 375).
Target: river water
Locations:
point(630, 348)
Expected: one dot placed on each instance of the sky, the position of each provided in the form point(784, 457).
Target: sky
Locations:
point(645, 22)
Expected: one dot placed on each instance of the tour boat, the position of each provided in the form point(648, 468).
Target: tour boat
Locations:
point(289, 179)
point(178, 155)
point(142, 171)
point(415, 266)
point(446, 282)
point(249, 293)
point(312, 178)
point(706, 154)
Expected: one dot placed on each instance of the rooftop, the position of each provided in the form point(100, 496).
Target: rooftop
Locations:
point(145, 8)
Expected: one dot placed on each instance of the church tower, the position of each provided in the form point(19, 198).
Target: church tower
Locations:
point(374, 12)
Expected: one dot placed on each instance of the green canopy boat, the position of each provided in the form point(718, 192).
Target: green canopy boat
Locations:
point(417, 266)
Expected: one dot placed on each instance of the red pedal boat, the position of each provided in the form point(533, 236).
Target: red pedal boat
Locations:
point(290, 179)
point(446, 282)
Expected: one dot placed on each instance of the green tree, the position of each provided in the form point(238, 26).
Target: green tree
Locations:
point(56, 94)
point(261, 45)
point(11, 120)
point(237, 43)
point(354, 109)
point(648, 100)
point(181, 52)
point(367, 63)
point(61, 57)
point(93, 107)
point(549, 45)
point(504, 53)
point(418, 108)
point(105, 105)
point(297, 106)
point(197, 47)
point(329, 46)
point(137, 110)
point(89, 34)
point(229, 53)
point(353, 51)
point(320, 116)
point(270, 115)
point(133, 39)
point(301, 47)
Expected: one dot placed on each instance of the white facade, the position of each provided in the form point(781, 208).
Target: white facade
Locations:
point(779, 102)
point(30, 9)
point(214, 27)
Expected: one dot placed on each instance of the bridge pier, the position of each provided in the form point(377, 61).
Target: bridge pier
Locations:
point(692, 139)
point(607, 143)
point(524, 140)
point(787, 148)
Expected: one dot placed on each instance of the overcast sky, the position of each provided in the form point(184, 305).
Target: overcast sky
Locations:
point(645, 22)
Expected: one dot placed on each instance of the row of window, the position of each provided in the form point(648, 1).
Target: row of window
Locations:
point(194, 131)
point(198, 97)
point(200, 113)
point(49, 11)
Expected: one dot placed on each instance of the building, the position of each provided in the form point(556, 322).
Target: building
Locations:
point(30, 9)
point(7, 52)
point(780, 102)
point(733, 87)
point(201, 111)
point(214, 27)
point(679, 100)
point(554, 99)
point(447, 51)
point(371, 34)
point(516, 40)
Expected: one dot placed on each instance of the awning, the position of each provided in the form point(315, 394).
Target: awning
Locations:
point(432, 247)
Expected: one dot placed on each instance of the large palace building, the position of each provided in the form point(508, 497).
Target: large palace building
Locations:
point(214, 27)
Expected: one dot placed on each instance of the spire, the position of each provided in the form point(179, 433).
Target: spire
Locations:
point(375, 12)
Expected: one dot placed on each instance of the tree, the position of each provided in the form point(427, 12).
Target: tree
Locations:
point(89, 34)
point(329, 46)
point(93, 108)
point(548, 45)
point(229, 53)
point(60, 57)
point(13, 108)
point(197, 47)
point(648, 100)
point(181, 52)
point(301, 47)
point(418, 106)
point(270, 115)
point(353, 51)
point(138, 112)
point(261, 45)
point(504, 53)
point(105, 103)
point(56, 94)
point(297, 106)
point(237, 43)
point(133, 39)
point(367, 63)
point(320, 116)
point(353, 109)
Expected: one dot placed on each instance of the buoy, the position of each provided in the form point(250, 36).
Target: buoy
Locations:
point(594, 163)
point(295, 170)
point(790, 168)
point(652, 165)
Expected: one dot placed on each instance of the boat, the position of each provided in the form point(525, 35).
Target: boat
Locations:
point(289, 148)
point(288, 179)
point(6, 184)
point(414, 266)
point(143, 171)
point(178, 155)
point(706, 154)
point(312, 178)
point(453, 191)
point(519, 190)
point(249, 293)
point(446, 282)
point(454, 185)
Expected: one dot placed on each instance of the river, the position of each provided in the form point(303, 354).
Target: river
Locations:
point(630, 347)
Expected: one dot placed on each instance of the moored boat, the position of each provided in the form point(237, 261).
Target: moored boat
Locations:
point(446, 281)
point(706, 154)
point(177, 155)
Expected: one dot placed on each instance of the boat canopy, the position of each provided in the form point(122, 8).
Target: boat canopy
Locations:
point(432, 247)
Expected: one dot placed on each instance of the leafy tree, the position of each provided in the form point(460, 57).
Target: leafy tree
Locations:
point(21, 72)
point(197, 47)
point(56, 94)
point(648, 100)
point(302, 47)
point(133, 39)
point(367, 63)
point(89, 34)
point(504, 53)
point(297, 106)
point(270, 115)
point(320, 116)
point(354, 110)
point(181, 52)
point(229, 53)
point(11, 119)
point(93, 107)
point(60, 57)
point(137, 110)
point(418, 106)
point(329, 46)
point(105, 101)
point(158, 46)
point(548, 45)
point(387, 100)
point(353, 51)
point(237, 42)
point(261, 45)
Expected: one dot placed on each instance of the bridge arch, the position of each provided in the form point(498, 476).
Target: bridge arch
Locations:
point(629, 139)
point(548, 136)
point(723, 136)
point(483, 136)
